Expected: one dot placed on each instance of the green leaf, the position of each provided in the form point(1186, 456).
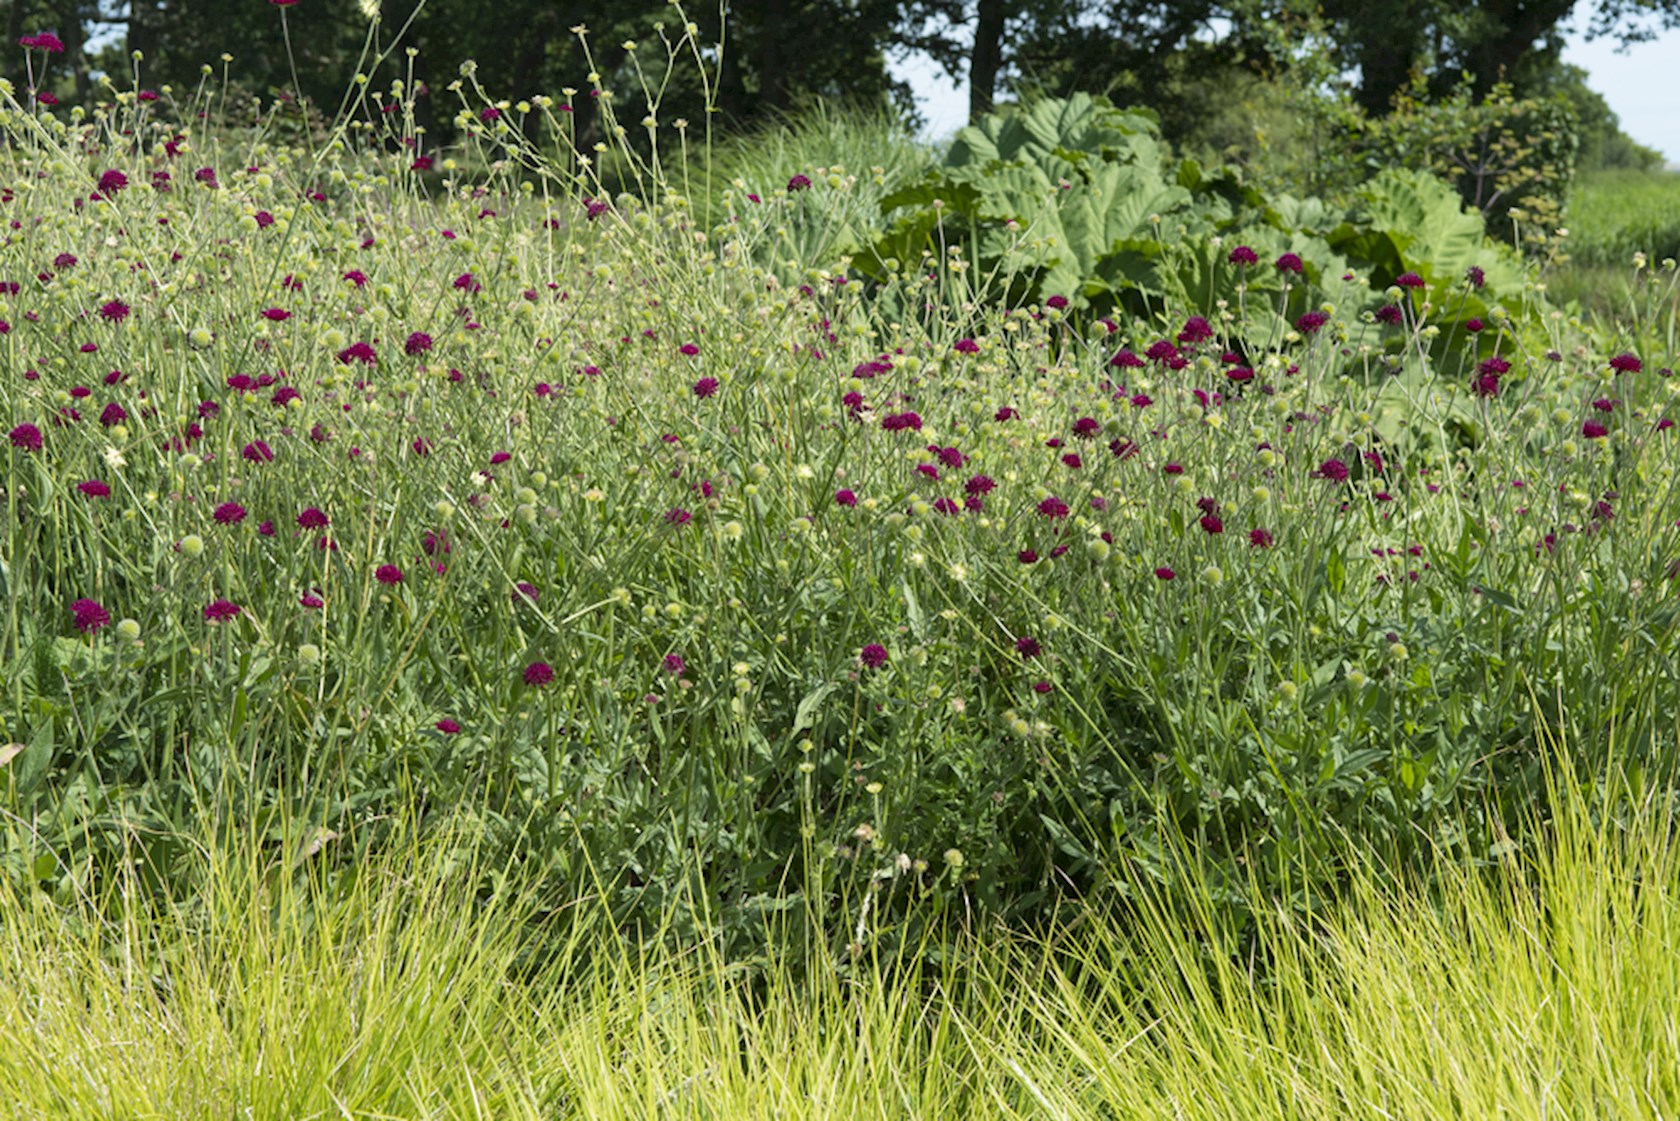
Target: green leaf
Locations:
point(804, 716)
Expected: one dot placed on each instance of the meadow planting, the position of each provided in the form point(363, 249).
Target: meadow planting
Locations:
point(818, 560)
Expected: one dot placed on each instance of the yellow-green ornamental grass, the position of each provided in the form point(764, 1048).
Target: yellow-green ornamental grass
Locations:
point(1541, 986)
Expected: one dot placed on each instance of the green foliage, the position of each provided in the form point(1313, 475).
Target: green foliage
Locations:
point(1511, 159)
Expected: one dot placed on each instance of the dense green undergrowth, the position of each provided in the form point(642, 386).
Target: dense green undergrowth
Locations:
point(712, 574)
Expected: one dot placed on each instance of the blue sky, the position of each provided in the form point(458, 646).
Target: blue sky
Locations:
point(1642, 86)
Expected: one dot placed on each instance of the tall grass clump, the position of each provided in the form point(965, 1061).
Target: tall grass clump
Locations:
point(743, 591)
point(1541, 985)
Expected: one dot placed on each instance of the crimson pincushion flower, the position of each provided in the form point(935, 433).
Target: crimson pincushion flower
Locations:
point(798, 183)
point(112, 181)
point(678, 516)
point(417, 343)
point(1028, 647)
point(1626, 364)
point(538, 674)
point(312, 518)
point(388, 574)
point(1053, 507)
point(1389, 314)
point(1333, 469)
point(967, 346)
point(674, 665)
point(447, 726)
point(524, 593)
point(845, 497)
point(89, 616)
point(899, 422)
point(1410, 280)
point(705, 387)
point(873, 656)
point(1290, 262)
point(113, 311)
point(221, 610)
point(1593, 430)
point(112, 415)
point(1086, 427)
point(1243, 255)
point(1164, 573)
point(358, 352)
point(26, 436)
point(1260, 539)
point(94, 488)
point(1310, 322)
point(228, 513)
point(257, 451)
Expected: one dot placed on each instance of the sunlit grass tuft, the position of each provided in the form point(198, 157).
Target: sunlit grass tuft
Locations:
point(1544, 985)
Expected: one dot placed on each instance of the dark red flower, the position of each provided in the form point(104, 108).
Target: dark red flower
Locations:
point(1260, 538)
point(1243, 255)
point(798, 183)
point(1053, 507)
point(89, 616)
point(1410, 280)
point(706, 387)
point(388, 574)
point(312, 518)
point(1626, 364)
point(27, 437)
point(873, 656)
point(94, 488)
point(1028, 647)
point(539, 674)
point(417, 344)
point(228, 513)
point(1290, 262)
point(1593, 430)
point(844, 497)
point(447, 726)
point(221, 610)
point(1164, 573)
point(1333, 469)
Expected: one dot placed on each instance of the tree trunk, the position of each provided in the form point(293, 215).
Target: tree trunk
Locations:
point(986, 60)
point(772, 56)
